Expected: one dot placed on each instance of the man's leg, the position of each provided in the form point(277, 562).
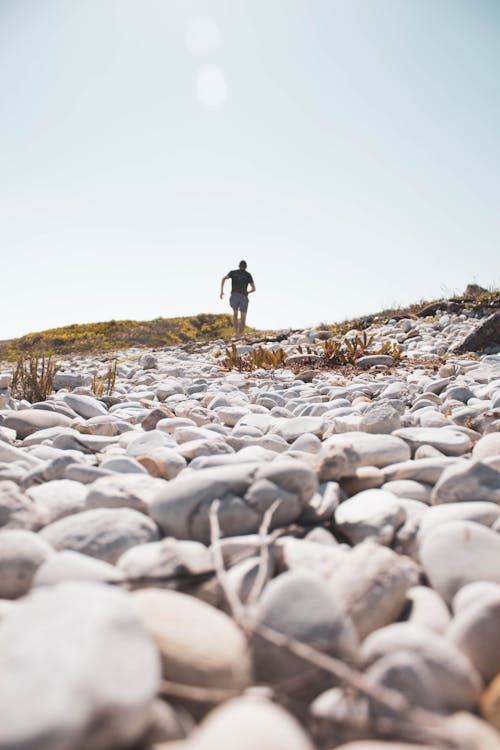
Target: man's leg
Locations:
point(235, 321)
point(243, 318)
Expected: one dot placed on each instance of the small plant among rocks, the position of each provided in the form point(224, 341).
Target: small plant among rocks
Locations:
point(254, 360)
point(104, 385)
point(33, 378)
point(335, 352)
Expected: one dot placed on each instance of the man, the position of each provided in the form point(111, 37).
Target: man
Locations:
point(240, 281)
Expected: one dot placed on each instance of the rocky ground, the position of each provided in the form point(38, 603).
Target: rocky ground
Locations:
point(266, 560)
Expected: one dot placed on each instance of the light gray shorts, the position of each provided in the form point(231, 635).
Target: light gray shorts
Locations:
point(239, 301)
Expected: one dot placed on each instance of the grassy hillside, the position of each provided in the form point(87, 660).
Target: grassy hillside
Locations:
point(118, 334)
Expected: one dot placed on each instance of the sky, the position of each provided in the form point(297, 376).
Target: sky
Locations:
point(348, 150)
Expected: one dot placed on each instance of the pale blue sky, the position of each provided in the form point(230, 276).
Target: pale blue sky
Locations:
point(347, 149)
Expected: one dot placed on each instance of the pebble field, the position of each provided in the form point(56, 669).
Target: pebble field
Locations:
point(288, 559)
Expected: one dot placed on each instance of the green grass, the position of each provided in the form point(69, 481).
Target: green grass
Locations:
point(114, 335)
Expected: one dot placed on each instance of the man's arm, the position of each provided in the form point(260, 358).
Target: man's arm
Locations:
point(252, 288)
point(224, 279)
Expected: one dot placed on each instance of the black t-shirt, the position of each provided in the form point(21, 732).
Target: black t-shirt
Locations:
point(240, 280)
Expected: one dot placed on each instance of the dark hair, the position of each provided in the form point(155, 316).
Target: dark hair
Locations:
point(243, 264)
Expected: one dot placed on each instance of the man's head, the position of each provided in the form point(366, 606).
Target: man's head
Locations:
point(243, 264)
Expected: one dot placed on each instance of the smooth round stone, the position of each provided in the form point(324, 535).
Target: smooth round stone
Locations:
point(122, 491)
point(427, 470)
point(27, 421)
point(163, 463)
point(308, 443)
point(409, 488)
point(474, 631)
point(230, 415)
point(105, 425)
point(73, 566)
point(371, 582)
point(306, 555)
point(250, 454)
point(341, 455)
point(182, 507)
point(300, 605)
point(381, 418)
point(144, 444)
point(85, 406)
point(478, 511)
point(171, 425)
point(166, 560)
point(459, 552)
point(198, 644)
point(77, 441)
point(291, 429)
point(458, 393)
point(91, 637)
point(427, 609)
point(447, 440)
point(458, 682)
point(123, 465)
point(406, 672)
point(213, 446)
point(105, 533)
point(12, 454)
point(488, 445)
point(58, 498)
point(471, 480)
point(256, 722)
point(17, 510)
point(372, 514)
point(473, 592)
point(21, 554)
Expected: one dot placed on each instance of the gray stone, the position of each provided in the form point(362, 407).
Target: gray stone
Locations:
point(85, 406)
point(410, 489)
point(341, 455)
point(457, 681)
point(478, 511)
point(27, 421)
point(300, 605)
point(371, 514)
point(70, 380)
point(488, 445)
point(17, 510)
point(90, 636)
point(407, 673)
point(166, 561)
point(381, 418)
point(291, 429)
point(182, 507)
point(122, 491)
point(123, 465)
point(255, 721)
point(474, 631)
point(105, 533)
point(459, 552)
point(57, 498)
point(473, 480)
point(73, 566)
point(427, 609)
point(21, 553)
point(371, 583)
point(448, 440)
point(427, 470)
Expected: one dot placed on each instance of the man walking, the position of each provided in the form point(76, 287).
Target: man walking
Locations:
point(240, 281)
